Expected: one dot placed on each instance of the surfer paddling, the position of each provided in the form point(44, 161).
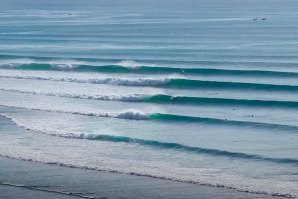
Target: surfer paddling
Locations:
point(173, 99)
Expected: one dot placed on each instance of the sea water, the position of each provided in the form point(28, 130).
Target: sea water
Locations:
point(188, 90)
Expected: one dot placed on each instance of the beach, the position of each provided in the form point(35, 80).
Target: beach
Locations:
point(23, 179)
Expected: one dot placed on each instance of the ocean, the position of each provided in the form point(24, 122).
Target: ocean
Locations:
point(196, 91)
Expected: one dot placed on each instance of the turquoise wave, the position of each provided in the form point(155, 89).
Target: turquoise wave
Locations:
point(179, 83)
point(190, 149)
point(168, 99)
point(189, 83)
point(168, 145)
point(163, 117)
point(217, 101)
point(157, 70)
point(215, 121)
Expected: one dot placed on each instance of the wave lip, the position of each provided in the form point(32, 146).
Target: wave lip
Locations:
point(163, 145)
point(216, 121)
point(181, 147)
point(162, 117)
point(168, 99)
point(167, 82)
point(160, 98)
point(103, 80)
point(132, 115)
point(131, 66)
point(190, 83)
point(125, 98)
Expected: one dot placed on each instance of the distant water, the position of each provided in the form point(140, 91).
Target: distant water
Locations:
point(196, 91)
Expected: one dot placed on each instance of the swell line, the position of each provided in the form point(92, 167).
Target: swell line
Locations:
point(216, 121)
point(168, 99)
point(142, 69)
point(189, 83)
point(160, 98)
point(167, 82)
point(156, 61)
point(181, 147)
point(162, 117)
point(162, 145)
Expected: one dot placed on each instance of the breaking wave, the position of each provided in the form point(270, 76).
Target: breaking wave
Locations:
point(165, 82)
point(168, 99)
point(132, 114)
point(158, 144)
point(130, 66)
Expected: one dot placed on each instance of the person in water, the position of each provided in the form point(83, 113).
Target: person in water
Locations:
point(173, 99)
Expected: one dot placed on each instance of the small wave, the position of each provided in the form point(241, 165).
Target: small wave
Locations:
point(125, 98)
point(168, 99)
point(215, 121)
point(132, 115)
point(166, 82)
point(64, 66)
point(162, 117)
point(160, 98)
point(32, 64)
point(158, 144)
point(130, 66)
point(176, 146)
point(189, 83)
point(128, 114)
point(104, 80)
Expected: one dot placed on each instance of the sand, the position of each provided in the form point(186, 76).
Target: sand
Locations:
point(24, 179)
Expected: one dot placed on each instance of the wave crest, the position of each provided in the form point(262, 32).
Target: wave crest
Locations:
point(132, 66)
point(168, 82)
point(158, 144)
point(168, 99)
point(132, 115)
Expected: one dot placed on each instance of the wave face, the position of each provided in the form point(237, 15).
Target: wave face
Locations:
point(139, 68)
point(104, 80)
point(166, 82)
point(132, 114)
point(168, 99)
point(181, 96)
point(176, 146)
point(158, 144)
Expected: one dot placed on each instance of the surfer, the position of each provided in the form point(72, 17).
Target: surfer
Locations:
point(173, 99)
point(134, 69)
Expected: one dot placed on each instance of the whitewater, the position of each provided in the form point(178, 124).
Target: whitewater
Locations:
point(203, 94)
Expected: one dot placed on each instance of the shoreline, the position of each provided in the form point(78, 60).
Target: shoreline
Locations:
point(25, 179)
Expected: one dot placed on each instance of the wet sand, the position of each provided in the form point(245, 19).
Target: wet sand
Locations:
point(23, 179)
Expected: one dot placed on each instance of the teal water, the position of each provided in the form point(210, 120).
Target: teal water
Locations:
point(196, 91)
